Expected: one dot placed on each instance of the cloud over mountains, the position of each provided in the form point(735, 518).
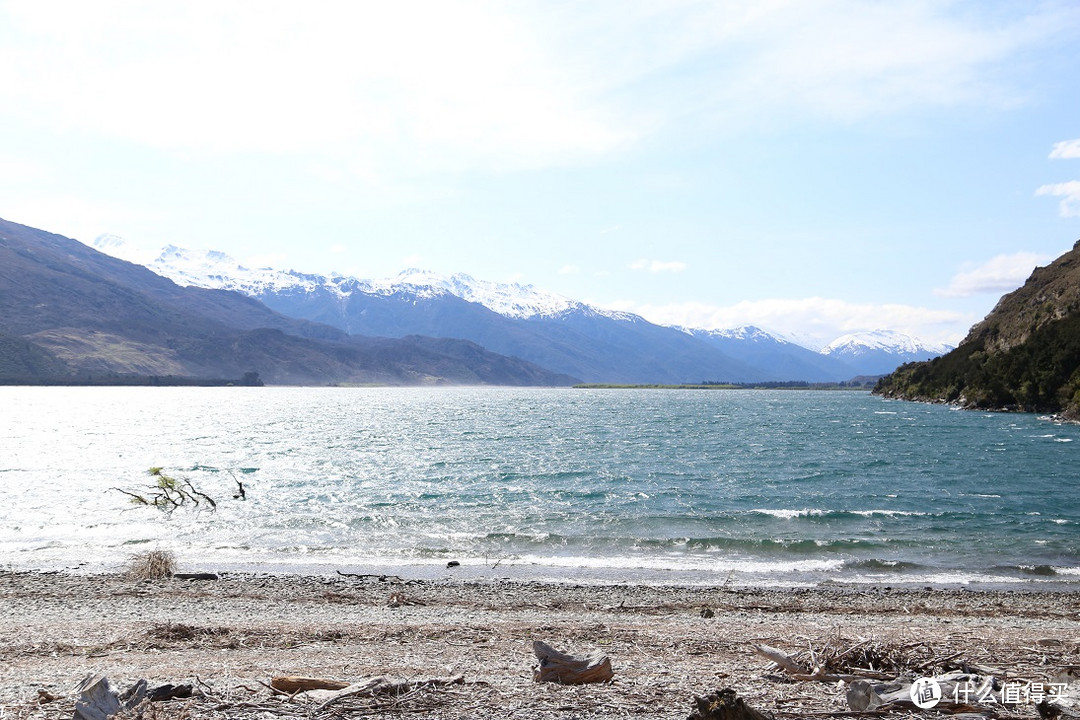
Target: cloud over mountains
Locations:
point(997, 275)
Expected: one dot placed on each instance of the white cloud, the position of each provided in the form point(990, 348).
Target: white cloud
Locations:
point(426, 83)
point(657, 266)
point(420, 86)
point(569, 270)
point(21, 171)
point(338, 248)
point(73, 216)
point(782, 61)
point(267, 260)
point(1069, 192)
point(997, 275)
point(1066, 150)
point(816, 320)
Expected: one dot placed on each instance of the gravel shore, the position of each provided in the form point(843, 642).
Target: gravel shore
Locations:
point(667, 644)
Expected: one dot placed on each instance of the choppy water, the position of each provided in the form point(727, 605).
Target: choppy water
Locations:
point(739, 487)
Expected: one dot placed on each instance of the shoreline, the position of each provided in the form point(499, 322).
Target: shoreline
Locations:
point(243, 628)
point(1031, 578)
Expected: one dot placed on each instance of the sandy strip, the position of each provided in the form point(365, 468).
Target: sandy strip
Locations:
point(236, 631)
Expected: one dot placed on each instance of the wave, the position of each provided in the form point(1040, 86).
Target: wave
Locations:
point(719, 567)
point(607, 546)
point(1039, 570)
point(808, 512)
point(1036, 570)
point(886, 565)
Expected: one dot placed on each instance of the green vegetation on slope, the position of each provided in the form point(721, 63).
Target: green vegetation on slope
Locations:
point(1024, 356)
point(1039, 375)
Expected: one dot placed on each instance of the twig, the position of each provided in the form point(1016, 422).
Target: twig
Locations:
point(365, 576)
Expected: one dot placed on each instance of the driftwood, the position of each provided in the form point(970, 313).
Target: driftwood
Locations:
point(799, 672)
point(296, 683)
point(569, 670)
point(383, 686)
point(168, 691)
point(380, 578)
point(863, 695)
point(98, 701)
point(725, 705)
point(782, 660)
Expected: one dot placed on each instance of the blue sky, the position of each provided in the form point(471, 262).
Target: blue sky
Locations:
point(813, 166)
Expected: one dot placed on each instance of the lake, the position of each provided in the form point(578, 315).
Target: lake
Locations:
point(716, 487)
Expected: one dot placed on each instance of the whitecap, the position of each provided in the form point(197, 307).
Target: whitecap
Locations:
point(788, 514)
point(890, 513)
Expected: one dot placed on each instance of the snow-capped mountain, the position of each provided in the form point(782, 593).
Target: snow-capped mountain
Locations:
point(877, 352)
point(217, 270)
point(550, 330)
point(780, 358)
point(862, 342)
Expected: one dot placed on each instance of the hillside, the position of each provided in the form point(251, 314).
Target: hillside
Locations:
point(71, 313)
point(1025, 355)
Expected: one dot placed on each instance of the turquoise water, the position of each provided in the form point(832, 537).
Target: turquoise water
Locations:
point(714, 487)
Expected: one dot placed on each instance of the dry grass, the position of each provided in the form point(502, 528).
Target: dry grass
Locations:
point(151, 565)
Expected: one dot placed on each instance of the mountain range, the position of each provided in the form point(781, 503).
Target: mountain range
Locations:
point(72, 313)
point(69, 313)
point(555, 332)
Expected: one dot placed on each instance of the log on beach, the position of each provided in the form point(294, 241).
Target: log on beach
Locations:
point(297, 683)
point(570, 670)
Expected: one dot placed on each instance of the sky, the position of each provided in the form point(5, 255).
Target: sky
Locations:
point(812, 167)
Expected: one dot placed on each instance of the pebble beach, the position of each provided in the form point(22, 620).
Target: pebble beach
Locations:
point(230, 636)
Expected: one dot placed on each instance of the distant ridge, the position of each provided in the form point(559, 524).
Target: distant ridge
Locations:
point(69, 313)
point(878, 352)
point(774, 356)
point(1025, 355)
point(568, 336)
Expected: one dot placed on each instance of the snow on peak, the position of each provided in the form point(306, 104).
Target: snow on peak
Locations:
point(881, 340)
point(749, 332)
point(508, 299)
point(217, 270)
point(511, 299)
point(211, 269)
